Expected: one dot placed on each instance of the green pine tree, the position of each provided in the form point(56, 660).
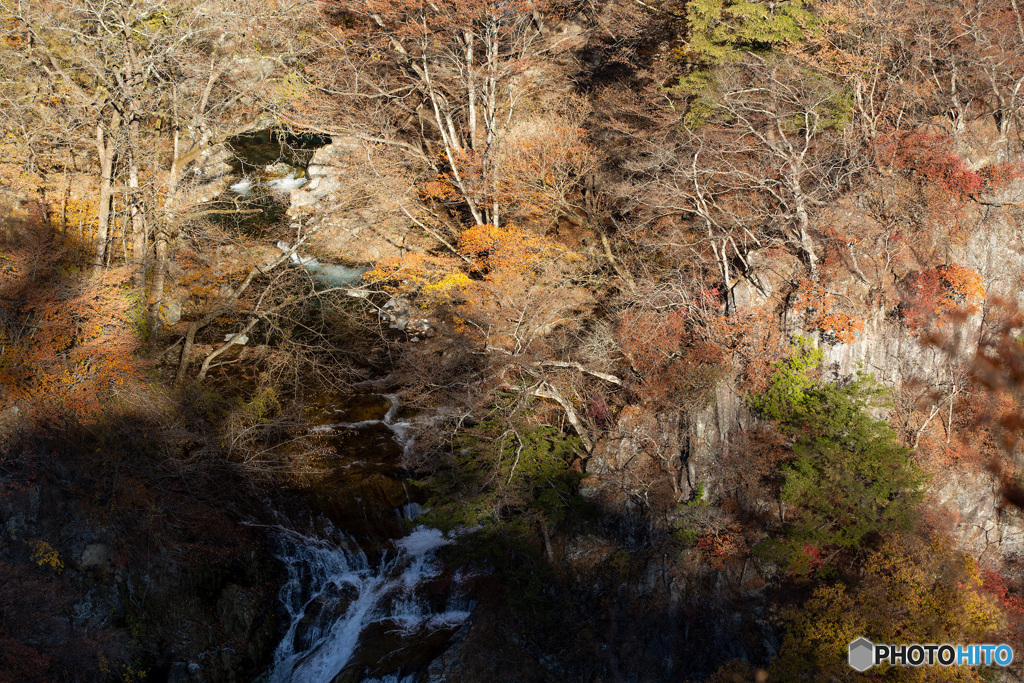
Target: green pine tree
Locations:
point(721, 29)
point(850, 476)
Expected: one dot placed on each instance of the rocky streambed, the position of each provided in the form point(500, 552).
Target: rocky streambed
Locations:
point(364, 595)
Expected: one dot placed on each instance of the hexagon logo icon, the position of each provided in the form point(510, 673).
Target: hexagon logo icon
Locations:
point(862, 654)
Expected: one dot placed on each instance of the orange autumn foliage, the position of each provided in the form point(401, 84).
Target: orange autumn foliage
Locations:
point(491, 254)
point(544, 163)
point(935, 297)
point(509, 291)
point(418, 274)
point(719, 547)
point(66, 342)
point(929, 157)
point(816, 305)
point(680, 354)
point(508, 249)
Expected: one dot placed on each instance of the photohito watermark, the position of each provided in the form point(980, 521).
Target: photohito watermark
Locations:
point(864, 654)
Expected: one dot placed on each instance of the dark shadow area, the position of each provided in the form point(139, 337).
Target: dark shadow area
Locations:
point(127, 537)
point(123, 553)
point(254, 151)
point(619, 602)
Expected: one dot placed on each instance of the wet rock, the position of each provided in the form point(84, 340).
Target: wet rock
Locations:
point(350, 674)
point(324, 610)
point(279, 169)
point(236, 609)
point(387, 649)
point(401, 314)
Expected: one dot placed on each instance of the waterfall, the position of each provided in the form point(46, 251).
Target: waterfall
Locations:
point(333, 593)
point(400, 429)
point(243, 187)
point(288, 183)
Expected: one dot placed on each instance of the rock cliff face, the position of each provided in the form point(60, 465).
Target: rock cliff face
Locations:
point(358, 208)
point(649, 462)
point(686, 447)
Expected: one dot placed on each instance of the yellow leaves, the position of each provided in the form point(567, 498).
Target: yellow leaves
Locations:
point(408, 274)
point(818, 635)
point(448, 286)
point(913, 590)
point(81, 214)
point(936, 587)
point(44, 555)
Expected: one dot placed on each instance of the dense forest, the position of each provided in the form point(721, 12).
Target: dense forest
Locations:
point(531, 340)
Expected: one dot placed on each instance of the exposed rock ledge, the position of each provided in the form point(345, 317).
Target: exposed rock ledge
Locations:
point(357, 208)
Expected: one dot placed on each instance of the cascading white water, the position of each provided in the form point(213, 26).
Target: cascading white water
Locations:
point(330, 274)
point(290, 182)
point(400, 429)
point(333, 592)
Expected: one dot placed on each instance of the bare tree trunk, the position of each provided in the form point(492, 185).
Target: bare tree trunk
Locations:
point(159, 279)
point(949, 423)
point(208, 361)
point(471, 87)
point(622, 273)
point(105, 148)
point(65, 193)
point(492, 114)
point(138, 217)
point(547, 390)
point(133, 80)
point(548, 549)
point(161, 239)
point(103, 207)
point(730, 298)
point(450, 142)
point(803, 222)
point(186, 351)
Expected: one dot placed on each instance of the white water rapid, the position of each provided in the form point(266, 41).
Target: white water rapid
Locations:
point(400, 429)
point(333, 591)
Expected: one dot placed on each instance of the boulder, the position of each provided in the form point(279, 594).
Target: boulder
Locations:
point(96, 556)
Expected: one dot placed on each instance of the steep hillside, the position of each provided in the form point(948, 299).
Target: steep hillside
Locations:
point(688, 333)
